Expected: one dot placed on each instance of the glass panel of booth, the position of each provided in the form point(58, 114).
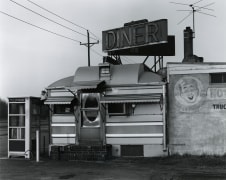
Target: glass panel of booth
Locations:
point(16, 120)
point(17, 108)
point(17, 133)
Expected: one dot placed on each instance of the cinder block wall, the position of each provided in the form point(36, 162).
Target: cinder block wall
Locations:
point(196, 126)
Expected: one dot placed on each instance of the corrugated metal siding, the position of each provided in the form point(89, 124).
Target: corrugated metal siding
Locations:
point(138, 128)
point(142, 118)
point(63, 140)
point(145, 129)
point(63, 129)
point(134, 141)
point(63, 119)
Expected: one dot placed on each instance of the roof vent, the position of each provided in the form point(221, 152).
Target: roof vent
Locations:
point(104, 71)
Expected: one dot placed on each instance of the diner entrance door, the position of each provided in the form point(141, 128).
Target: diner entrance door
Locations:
point(91, 125)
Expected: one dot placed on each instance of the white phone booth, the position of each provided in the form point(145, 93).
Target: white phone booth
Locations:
point(25, 116)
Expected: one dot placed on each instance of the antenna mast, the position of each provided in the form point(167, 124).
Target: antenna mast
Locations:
point(193, 14)
point(194, 9)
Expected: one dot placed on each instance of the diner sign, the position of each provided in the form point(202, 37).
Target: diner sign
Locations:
point(135, 34)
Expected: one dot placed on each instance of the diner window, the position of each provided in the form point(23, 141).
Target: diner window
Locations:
point(216, 78)
point(116, 109)
point(63, 109)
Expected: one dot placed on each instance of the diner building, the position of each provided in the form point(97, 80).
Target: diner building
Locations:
point(116, 109)
point(119, 105)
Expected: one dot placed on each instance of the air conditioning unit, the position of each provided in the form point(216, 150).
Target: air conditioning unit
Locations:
point(90, 110)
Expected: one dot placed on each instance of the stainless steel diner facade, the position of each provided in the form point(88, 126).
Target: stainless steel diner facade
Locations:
point(120, 105)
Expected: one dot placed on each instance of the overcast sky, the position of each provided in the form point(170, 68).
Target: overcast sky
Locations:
point(31, 59)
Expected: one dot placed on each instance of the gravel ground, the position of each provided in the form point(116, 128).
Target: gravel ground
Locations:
point(168, 168)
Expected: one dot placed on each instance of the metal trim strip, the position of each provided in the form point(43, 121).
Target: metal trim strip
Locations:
point(63, 124)
point(133, 135)
point(63, 135)
point(58, 103)
point(17, 152)
point(136, 124)
point(130, 101)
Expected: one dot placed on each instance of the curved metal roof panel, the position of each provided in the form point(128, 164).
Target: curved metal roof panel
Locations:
point(120, 75)
point(128, 74)
point(86, 74)
point(149, 77)
point(125, 74)
point(62, 82)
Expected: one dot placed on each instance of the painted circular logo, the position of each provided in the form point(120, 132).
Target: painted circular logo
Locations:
point(188, 91)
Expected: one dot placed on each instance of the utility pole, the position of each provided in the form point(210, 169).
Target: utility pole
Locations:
point(89, 45)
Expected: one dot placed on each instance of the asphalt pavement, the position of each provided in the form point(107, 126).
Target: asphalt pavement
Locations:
point(167, 168)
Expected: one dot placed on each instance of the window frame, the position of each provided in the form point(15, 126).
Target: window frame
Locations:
point(124, 113)
point(65, 106)
point(222, 76)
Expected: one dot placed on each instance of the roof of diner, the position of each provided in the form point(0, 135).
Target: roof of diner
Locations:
point(128, 74)
point(120, 74)
point(65, 82)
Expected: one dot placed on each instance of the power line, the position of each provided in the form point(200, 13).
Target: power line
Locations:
point(124, 59)
point(40, 27)
point(97, 38)
point(56, 14)
point(185, 17)
point(61, 17)
point(129, 60)
point(96, 52)
point(48, 18)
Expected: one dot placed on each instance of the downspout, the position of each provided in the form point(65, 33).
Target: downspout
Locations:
point(164, 116)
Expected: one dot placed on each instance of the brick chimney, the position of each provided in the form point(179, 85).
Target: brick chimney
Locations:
point(188, 47)
point(188, 42)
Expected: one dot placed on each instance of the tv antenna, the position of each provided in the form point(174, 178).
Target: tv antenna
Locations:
point(195, 9)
